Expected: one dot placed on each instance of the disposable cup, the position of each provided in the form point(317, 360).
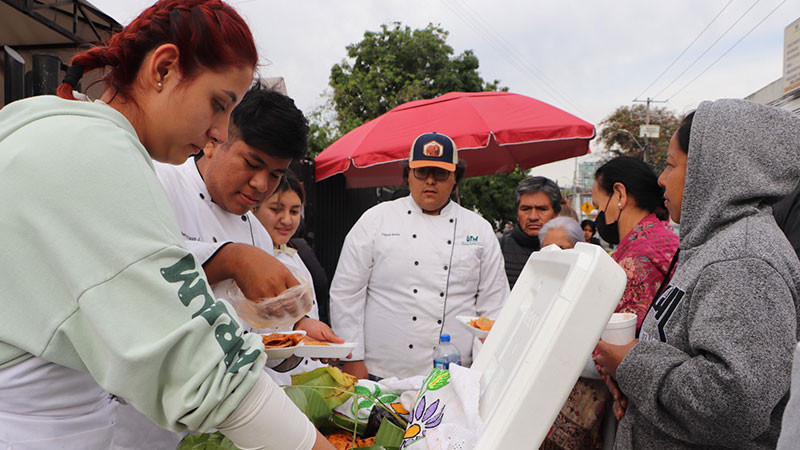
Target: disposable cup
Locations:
point(621, 329)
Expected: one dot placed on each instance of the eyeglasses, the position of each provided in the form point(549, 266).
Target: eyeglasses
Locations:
point(422, 173)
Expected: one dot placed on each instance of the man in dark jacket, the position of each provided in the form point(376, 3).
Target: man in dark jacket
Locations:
point(538, 200)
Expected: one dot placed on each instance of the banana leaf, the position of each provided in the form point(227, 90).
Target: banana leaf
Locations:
point(328, 377)
point(310, 403)
point(389, 435)
point(214, 441)
point(348, 424)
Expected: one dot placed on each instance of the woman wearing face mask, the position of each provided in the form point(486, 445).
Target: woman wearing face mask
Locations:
point(712, 365)
point(99, 294)
point(632, 217)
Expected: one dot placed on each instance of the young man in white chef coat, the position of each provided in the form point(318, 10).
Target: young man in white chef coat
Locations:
point(410, 266)
point(212, 195)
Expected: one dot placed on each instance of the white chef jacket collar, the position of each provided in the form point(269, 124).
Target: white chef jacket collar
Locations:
point(198, 183)
point(447, 211)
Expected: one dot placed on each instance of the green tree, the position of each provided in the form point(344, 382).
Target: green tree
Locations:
point(620, 133)
point(492, 196)
point(396, 65)
point(323, 129)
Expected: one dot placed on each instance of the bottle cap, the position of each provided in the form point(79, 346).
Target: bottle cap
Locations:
point(444, 338)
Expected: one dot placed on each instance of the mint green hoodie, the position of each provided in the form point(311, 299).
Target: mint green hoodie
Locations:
point(95, 275)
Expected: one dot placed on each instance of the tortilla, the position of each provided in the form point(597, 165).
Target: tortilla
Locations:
point(482, 323)
point(309, 341)
point(279, 340)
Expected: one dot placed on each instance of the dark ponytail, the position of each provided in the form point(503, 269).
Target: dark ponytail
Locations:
point(639, 180)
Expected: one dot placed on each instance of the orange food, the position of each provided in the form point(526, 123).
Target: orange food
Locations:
point(482, 323)
point(309, 341)
point(344, 441)
point(278, 340)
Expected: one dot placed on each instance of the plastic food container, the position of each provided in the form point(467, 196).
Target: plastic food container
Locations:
point(549, 326)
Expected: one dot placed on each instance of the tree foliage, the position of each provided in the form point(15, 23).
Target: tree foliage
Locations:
point(620, 133)
point(396, 65)
point(492, 196)
point(323, 129)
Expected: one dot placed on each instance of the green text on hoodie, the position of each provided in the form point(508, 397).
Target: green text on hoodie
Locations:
point(95, 274)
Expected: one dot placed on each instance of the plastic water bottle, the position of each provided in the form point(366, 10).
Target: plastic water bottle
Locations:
point(445, 353)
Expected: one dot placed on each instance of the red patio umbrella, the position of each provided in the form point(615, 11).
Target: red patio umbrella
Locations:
point(494, 132)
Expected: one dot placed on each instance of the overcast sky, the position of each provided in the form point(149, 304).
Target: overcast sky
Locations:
point(585, 56)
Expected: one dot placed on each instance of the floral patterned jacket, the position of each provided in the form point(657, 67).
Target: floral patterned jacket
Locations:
point(644, 253)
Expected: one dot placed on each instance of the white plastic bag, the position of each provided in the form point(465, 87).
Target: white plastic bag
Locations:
point(279, 313)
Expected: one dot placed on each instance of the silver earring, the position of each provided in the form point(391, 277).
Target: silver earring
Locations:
point(160, 85)
point(619, 205)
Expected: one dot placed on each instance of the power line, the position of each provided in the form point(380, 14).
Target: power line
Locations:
point(510, 47)
point(507, 52)
point(708, 49)
point(728, 50)
point(686, 49)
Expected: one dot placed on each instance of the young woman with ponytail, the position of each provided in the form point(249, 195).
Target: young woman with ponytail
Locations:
point(100, 298)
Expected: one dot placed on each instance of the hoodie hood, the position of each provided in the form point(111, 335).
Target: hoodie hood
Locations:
point(743, 157)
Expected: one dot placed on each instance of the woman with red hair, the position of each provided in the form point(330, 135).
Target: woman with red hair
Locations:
point(99, 294)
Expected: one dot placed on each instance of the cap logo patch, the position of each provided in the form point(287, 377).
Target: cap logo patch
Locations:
point(433, 149)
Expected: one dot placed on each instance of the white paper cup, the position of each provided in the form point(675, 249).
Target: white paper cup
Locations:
point(621, 329)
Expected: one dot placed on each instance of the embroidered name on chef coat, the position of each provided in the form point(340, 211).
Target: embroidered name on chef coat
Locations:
point(471, 240)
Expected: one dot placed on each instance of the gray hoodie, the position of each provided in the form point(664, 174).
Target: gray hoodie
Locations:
point(713, 365)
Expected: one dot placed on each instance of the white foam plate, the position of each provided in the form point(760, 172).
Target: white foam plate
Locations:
point(283, 352)
point(339, 351)
point(464, 320)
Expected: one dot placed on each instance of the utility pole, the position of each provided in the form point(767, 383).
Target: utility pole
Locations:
point(648, 101)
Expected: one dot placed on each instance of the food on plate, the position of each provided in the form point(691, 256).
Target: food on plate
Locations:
point(310, 341)
point(281, 340)
point(482, 323)
point(344, 441)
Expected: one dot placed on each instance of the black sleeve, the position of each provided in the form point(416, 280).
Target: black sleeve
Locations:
point(787, 215)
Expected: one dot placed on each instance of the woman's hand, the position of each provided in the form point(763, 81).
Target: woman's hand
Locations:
point(608, 356)
point(319, 331)
point(620, 400)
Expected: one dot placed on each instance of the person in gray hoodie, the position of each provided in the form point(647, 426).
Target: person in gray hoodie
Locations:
point(711, 368)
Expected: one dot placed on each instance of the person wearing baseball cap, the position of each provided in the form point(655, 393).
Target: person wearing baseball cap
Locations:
point(410, 266)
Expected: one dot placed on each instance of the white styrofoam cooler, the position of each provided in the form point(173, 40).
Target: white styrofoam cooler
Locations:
point(548, 328)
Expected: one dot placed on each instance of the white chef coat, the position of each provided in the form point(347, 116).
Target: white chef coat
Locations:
point(205, 226)
point(82, 415)
point(402, 278)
